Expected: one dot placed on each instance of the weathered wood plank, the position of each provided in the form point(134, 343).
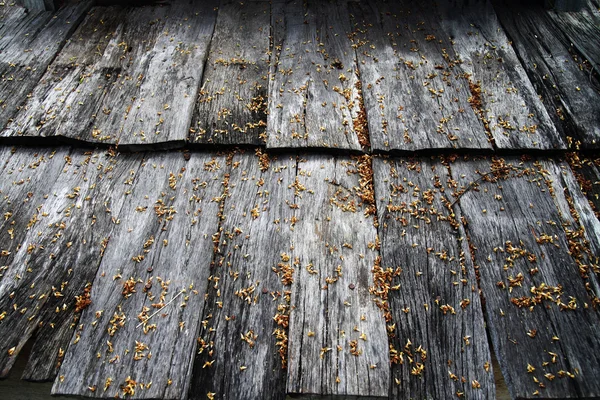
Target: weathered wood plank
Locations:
point(587, 173)
point(500, 87)
point(561, 78)
point(29, 49)
point(9, 15)
point(415, 95)
point(435, 320)
point(142, 89)
point(338, 342)
point(583, 30)
point(542, 323)
point(582, 224)
point(243, 342)
point(126, 341)
point(232, 103)
point(175, 65)
point(314, 99)
point(55, 106)
point(21, 171)
point(28, 178)
point(58, 257)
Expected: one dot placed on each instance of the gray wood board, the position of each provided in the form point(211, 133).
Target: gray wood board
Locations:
point(240, 340)
point(338, 342)
point(514, 114)
point(27, 51)
point(135, 85)
point(580, 220)
point(436, 320)
point(313, 98)
point(587, 173)
point(58, 256)
point(565, 85)
point(413, 91)
point(583, 30)
point(232, 101)
point(541, 319)
point(55, 106)
point(129, 340)
point(10, 15)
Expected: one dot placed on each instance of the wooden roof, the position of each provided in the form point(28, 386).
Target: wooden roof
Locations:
point(353, 199)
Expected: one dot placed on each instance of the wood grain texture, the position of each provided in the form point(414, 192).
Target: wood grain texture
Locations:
point(138, 90)
point(58, 257)
point(587, 172)
point(232, 102)
point(559, 74)
point(10, 14)
point(55, 107)
point(435, 319)
point(242, 347)
point(583, 30)
point(501, 89)
point(313, 98)
point(541, 319)
point(28, 44)
point(338, 344)
point(129, 340)
point(582, 224)
point(415, 95)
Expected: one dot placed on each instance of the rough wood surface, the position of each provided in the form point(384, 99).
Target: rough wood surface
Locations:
point(583, 30)
point(338, 343)
point(139, 333)
point(414, 93)
point(587, 173)
point(10, 14)
point(559, 74)
point(313, 99)
point(28, 45)
point(139, 92)
point(529, 254)
point(58, 257)
point(242, 347)
point(501, 89)
point(232, 102)
point(55, 107)
point(435, 320)
point(583, 224)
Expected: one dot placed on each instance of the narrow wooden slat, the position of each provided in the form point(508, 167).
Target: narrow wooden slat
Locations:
point(55, 106)
point(232, 103)
point(581, 220)
point(21, 172)
point(22, 29)
point(415, 95)
point(59, 255)
point(170, 75)
point(338, 343)
point(587, 173)
point(313, 99)
point(28, 178)
point(27, 52)
point(583, 30)
point(138, 85)
point(440, 348)
point(243, 342)
point(570, 97)
point(158, 257)
point(9, 15)
point(500, 87)
point(542, 323)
